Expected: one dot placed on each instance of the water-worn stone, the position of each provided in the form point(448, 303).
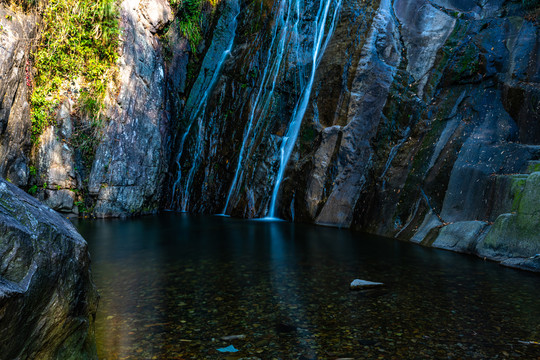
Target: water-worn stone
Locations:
point(47, 299)
point(17, 37)
point(358, 284)
point(460, 236)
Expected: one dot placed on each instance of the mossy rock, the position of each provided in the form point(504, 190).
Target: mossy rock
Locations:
point(516, 234)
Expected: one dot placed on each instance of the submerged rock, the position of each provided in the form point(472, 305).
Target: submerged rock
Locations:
point(47, 299)
point(358, 284)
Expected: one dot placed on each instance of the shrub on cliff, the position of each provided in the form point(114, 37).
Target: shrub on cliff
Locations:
point(190, 15)
point(79, 44)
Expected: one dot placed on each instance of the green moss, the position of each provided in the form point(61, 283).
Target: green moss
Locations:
point(517, 233)
point(516, 189)
point(467, 64)
point(6, 204)
point(534, 166)
point(308, 134)
point(79, 43)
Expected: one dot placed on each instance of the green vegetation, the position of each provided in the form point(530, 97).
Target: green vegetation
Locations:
point(190, 16)
point(24, 4)
point(87, 134)
point(78, 45)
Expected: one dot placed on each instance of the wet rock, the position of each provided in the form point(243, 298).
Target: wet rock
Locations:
point(460, 236)
point(285, 328)
point(47, 299)
point(232, 337)
point(531, 263)
point(370, 85)
point(515, 234)
point(358, 284)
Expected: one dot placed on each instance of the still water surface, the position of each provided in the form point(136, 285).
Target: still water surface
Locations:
point(173, 285)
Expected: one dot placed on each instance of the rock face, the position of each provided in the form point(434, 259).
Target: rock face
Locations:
point(55, 163)
point(131, 160)
point(47, 298)
point(17, 37)
point(421, 116)
point(125, 175)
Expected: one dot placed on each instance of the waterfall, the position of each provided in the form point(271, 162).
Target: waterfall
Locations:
point(285, 29)
point(289, 139)
point(285, 40)
point(196, 106)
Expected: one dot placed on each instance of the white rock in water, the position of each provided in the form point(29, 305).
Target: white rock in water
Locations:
point(358, 284)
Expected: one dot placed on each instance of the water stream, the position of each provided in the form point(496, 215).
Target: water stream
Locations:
point(284, 32)
point(196, 107)
point(289, 140)
point(285, 46)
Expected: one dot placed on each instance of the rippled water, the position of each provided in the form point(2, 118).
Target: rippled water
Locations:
point(173, 285)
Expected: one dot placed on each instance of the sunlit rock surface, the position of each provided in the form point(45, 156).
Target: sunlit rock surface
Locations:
point(47, 298)
point(55, 163)
point(131, 160)
point(17, 36)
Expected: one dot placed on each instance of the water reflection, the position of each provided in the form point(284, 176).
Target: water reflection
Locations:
point(172, 286)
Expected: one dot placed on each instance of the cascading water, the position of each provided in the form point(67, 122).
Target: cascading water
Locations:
point(289, 139)
point(285, 41)
point(285, 31)
point(202, 88)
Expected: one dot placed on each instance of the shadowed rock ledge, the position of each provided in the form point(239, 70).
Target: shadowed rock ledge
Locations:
point(47, 298)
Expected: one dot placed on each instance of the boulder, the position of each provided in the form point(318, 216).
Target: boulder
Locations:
point(47, 298)
point(460, 236)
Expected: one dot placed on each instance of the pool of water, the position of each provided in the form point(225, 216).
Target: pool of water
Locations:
point(179, 286)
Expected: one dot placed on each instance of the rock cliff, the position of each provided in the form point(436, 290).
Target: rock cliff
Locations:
point(414, 119)
point(47, 298)
point(421, 117)
point(122, 176)
point(132, 157)
point(18, 32)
